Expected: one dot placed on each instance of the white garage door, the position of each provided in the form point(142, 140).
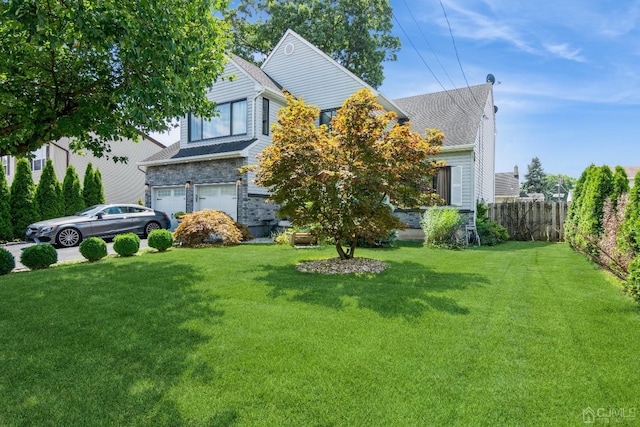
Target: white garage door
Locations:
point(170, 199)
point(220, 197)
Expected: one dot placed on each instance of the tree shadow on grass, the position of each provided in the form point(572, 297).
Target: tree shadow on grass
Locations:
point(104, 344)
point(405, 289)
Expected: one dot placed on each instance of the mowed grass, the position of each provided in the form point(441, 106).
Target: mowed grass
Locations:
point(519, 334)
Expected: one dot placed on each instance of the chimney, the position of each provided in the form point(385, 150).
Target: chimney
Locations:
point(515, 172)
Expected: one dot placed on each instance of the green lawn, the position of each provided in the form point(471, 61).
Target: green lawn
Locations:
point(519, 334)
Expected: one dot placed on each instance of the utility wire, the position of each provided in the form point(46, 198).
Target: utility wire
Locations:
point(429, 44)
point(455, 48)
point(427, 65)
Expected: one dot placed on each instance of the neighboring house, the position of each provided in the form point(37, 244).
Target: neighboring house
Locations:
point(507, 186)
point(201, 171)
point(467, 118)
point(123, 182)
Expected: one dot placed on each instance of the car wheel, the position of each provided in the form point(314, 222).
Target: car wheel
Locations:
point(150, 227)
point(69, 237)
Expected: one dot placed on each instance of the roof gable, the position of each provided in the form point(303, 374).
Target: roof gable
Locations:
point(456, 112)
point(305, 70)
point(255, 73)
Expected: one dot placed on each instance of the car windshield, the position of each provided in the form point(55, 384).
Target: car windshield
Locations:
point(90, 211)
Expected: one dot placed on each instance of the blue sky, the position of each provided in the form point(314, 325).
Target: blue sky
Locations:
point(569, 74)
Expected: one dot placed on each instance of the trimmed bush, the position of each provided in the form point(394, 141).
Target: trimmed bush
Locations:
point(93, 248)
point(244, 230)
point(491, 233)
point(440, 226)
point(7, 262)
point(160, 239)
point(126, 244)
point(207, 227)
point(39, 256)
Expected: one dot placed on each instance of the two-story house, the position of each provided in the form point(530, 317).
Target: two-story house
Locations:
point(122, 182)
point(201, 171)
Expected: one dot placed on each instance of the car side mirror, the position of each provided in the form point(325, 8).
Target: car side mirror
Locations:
point(100, 215)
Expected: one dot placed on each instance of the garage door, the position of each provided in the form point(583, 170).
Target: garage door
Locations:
point(170, 199)
point(220, 197)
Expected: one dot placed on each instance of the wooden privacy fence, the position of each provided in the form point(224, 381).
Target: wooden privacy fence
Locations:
point(529, 220)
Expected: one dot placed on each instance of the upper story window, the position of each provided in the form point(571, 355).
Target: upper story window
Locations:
point(39, 159)
point(265, 116)
point(231, 120)
point(327, 115)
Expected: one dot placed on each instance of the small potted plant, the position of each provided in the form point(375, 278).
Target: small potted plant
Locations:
point(179, 215)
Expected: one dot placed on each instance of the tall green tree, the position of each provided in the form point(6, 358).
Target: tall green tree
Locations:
point(98, 187)
point(620, 185)
point(71, 192)
point(534, 179)
point(48, 193)
point(24, 210)
point(6, 229)
point(343, 178)
point(88, 186)
point(584, 224)
point(100, 70)
point(356, 33)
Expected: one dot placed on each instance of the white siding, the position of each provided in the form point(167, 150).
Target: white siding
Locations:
point(123, 182)
point(225, 90)
point(263, 140)
point(309, 74)
point(463, 160)
point(485, 154)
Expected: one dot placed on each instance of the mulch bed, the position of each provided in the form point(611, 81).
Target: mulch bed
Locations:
point(338, 266)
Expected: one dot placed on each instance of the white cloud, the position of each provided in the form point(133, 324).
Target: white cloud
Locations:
point(565, 51)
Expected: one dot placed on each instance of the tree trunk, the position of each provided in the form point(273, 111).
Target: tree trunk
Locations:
point(349, 253)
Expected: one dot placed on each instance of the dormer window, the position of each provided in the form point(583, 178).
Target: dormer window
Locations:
point(231, 120)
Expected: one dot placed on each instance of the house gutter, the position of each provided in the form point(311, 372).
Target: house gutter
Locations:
point(457, 148)
point(193, 159)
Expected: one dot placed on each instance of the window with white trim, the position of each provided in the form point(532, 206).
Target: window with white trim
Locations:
point(38, 159)
point(448, 184)
point(231, 120)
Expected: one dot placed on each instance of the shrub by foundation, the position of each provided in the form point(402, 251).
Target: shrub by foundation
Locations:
point(7, 262)
point(93, 248)
point(160, 239)
point(39, 256)
point(126, 244)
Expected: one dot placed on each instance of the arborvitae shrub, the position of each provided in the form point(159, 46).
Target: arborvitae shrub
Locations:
point(207, 227)
point(71, 193)
point(126, 244)
point(48, 193)
point(160, 239)
point(93, 248)
point(39, 256)
point(7, 262)
point(23, 204)
point(244, 230)
point(6, 227)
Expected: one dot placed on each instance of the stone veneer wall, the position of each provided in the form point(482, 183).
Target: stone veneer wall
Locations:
point(252, 209)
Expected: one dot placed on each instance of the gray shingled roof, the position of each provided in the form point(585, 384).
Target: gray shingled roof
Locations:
point(457, 112)
point(507, 184)
point(257, 73)
point(174, 152)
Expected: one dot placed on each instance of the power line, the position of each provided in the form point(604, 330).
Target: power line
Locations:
point(427, 65)
point(455, 48)
point(428, 44)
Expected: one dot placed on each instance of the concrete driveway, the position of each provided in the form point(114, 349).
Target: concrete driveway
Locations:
point(64, 254)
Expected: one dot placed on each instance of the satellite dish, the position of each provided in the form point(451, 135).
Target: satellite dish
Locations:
point(491, 79)
point(495, 109)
